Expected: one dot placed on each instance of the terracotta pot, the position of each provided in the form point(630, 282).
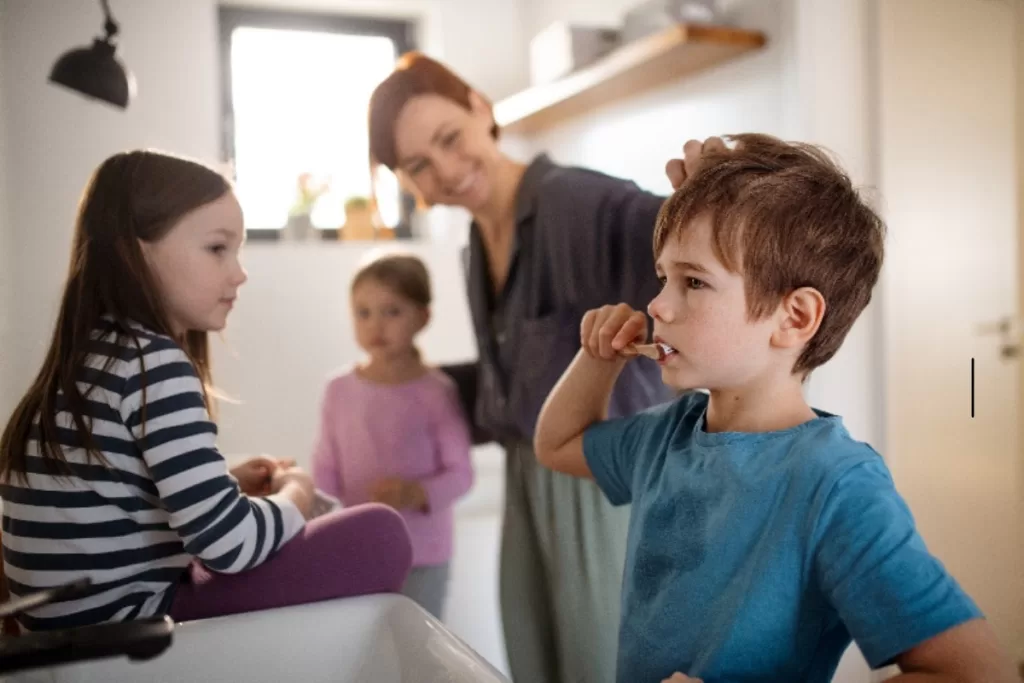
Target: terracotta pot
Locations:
point(358, 224)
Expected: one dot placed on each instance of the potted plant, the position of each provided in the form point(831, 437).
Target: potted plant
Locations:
point(360, 221)
point(307, 192)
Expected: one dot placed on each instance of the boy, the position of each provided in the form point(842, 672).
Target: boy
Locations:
point(763, 538)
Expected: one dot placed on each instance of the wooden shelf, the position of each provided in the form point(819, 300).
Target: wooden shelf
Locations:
point(636, 67)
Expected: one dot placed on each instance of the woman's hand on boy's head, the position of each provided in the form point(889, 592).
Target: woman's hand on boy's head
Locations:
point(606, 331)
point(678, 170)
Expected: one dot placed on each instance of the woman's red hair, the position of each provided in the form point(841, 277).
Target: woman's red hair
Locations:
point(414, 75)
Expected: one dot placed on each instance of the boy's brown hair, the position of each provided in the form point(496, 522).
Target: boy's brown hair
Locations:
point(785, 216)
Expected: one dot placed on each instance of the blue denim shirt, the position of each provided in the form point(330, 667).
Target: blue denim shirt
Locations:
point(583, 239)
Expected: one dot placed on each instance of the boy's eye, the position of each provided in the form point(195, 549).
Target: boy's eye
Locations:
point(217, 249)
point(392, 312)
point(362, 313)
point(451, 138)
point(663, 280)
point(694, 283)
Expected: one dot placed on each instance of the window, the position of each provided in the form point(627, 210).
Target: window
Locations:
point(296, 92)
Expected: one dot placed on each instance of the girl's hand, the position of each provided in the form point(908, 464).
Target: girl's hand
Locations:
point(605, 331)
point(400, 494)
point(253, 475)
point(297, 485)
point(286, 475)
point(680, 678)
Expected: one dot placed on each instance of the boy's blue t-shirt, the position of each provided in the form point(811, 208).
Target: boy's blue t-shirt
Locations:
point(757, 556)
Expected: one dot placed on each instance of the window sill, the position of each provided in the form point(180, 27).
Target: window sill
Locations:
point(315, 237)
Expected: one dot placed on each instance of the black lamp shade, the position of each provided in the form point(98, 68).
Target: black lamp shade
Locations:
point(95, 72)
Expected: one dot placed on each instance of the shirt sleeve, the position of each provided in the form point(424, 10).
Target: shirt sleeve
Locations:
point(327, 453)
point(452, 441)
point(611, 449)
point(620, 255)
point(164, 409)
point(874, 568)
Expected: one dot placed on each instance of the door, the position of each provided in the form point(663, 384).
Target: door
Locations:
point(949, 186)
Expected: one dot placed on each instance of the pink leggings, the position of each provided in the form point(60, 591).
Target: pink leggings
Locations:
point(355, 551)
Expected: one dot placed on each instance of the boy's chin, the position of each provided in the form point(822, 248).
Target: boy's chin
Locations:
point(679, 381)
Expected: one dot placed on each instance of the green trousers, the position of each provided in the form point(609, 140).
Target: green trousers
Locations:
point(563, 548)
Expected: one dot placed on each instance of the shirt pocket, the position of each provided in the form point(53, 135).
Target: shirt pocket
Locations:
point(544, 348)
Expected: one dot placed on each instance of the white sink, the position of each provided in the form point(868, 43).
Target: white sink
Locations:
point(373, 639)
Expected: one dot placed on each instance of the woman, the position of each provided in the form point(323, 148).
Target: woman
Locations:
point(546, 244)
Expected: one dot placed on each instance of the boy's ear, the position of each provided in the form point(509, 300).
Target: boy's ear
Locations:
point(426, 317)
point(800, 315)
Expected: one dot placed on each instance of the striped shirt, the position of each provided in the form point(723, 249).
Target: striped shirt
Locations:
point(164, 498)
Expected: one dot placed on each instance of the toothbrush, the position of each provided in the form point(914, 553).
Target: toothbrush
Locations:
point(652, 351)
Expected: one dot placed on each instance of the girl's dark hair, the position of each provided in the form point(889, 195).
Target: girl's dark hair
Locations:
point(404, 274)
point(132, 197)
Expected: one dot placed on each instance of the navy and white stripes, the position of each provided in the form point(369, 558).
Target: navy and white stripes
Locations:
point(132, 525)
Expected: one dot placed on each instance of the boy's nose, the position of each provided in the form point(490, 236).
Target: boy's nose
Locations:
point(659, 311)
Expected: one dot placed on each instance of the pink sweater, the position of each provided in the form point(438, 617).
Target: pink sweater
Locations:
point(413, 431)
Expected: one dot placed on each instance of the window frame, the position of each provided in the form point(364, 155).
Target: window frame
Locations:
point(400, 31)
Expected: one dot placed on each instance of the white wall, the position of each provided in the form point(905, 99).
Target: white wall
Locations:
point(539, 15)
point(6, 257)
point(1020, 232)
point(811, 82)
point(291, 327)
point(834, 106)
point(56, 138)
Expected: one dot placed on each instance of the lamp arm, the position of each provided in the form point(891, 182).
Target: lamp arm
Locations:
point(109, 25)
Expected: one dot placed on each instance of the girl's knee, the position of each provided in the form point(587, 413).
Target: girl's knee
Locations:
point(377, 513)
point(368, 513)
point(373, 522)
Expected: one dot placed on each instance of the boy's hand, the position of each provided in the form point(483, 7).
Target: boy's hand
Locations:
point(605, 331)
point(680, 678)
point(678, 170)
